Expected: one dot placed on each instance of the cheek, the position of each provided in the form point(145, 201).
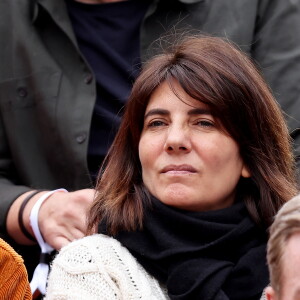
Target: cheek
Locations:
point(221, 152)
point(146, 153)
point(147, 162)
point(150, 148)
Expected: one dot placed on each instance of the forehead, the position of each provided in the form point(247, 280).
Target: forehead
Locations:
point(173, 96)
point(290, 283)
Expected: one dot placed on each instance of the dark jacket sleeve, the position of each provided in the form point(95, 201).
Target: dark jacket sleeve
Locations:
point(9, 191)
point(45, 103)
point(276, 48)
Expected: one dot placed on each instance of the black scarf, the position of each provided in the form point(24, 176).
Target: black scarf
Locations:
point(216, 255)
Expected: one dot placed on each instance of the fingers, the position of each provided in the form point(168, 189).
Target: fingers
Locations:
point(59, 241)
point(62, 217)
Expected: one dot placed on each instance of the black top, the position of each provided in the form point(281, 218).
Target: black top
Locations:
point(108, 36)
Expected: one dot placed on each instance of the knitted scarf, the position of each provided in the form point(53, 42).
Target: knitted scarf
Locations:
point(202, 255)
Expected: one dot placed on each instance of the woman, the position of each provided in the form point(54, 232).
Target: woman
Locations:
point(199, 167)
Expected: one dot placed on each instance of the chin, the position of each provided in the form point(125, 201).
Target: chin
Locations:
point(178, 200)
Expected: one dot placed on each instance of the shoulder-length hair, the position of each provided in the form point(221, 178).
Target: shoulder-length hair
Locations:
point(215, 72)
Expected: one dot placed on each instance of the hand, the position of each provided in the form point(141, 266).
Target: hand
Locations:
point(62, 217)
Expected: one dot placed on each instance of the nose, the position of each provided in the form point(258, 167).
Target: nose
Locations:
point(177, 140)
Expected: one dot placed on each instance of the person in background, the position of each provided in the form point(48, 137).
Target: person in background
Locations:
point(198, 169)
point(66, 70)
point(283, 253)
point(13, 275)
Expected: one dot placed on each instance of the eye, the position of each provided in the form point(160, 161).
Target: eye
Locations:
point(205, 123)
point(156, 123)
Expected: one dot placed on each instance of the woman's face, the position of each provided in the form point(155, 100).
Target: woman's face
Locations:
point(187, 161)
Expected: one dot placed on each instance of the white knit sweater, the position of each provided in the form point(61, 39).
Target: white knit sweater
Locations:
point(99, 267)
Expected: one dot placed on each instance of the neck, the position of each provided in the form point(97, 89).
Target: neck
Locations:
point(99, 1)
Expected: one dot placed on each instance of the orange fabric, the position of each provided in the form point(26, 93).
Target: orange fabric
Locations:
point(14, 283)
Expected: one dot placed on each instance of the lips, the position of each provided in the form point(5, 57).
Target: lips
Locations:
point(178, 169)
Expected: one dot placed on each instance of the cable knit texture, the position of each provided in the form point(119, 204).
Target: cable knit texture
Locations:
point(99, 267)
point(13, 275)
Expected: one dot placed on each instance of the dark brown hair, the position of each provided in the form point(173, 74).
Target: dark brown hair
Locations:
point(216, 73)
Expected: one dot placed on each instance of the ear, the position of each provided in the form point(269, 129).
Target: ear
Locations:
point(270, 293)
point(245, 172)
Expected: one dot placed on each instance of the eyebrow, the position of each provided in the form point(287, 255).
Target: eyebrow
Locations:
point(199, 111)
point(156, 111)
point(164, 112)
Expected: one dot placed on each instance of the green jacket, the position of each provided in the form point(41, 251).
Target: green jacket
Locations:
point(47, 90)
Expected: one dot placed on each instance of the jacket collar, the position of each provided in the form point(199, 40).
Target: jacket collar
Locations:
point(56, 8)
point(58, 12)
